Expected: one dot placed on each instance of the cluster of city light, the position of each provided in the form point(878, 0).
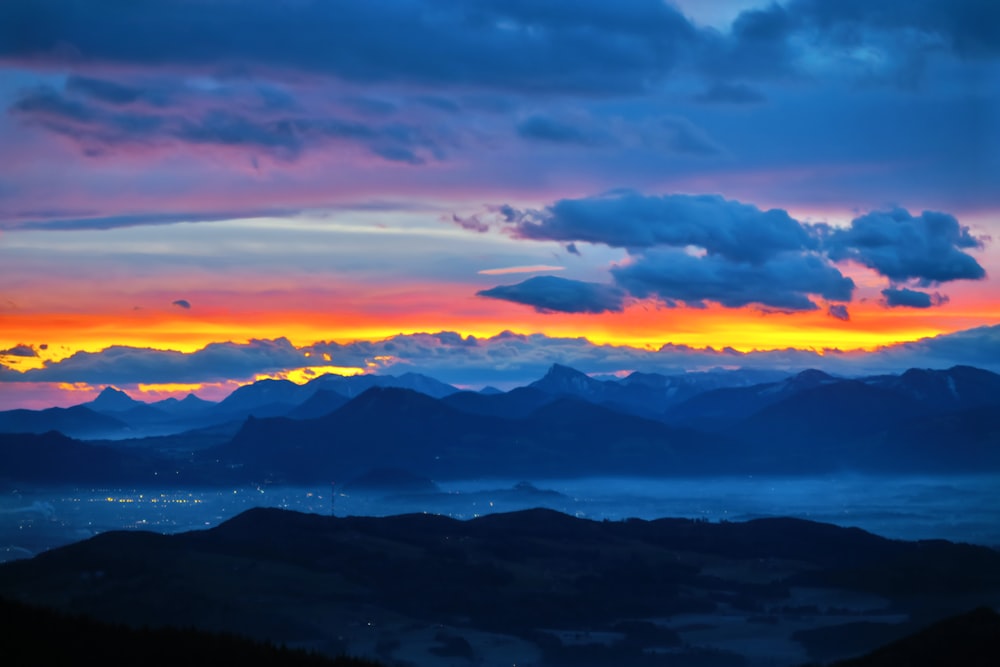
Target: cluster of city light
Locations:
point(162, 498)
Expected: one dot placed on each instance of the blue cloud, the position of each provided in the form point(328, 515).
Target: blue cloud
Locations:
point(545, 128)
point(736, 231)
point(699, 248)
point(101, 128)
point(554, 294)
point(784, 282)
point(586, 46)
point(928, 248)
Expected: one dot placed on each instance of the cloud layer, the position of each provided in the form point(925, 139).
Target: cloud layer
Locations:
point(697, 249)
point(506, 359)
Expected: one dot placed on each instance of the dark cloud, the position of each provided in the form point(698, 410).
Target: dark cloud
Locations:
point(545, 128)
point(554, 294)
point(839, 311)
point(872, 41)
point(543, 46)
point(182, 303)
point(588, 46)
point(927, 248)
point(971, 28)
point(758, 45)
point(783, 282)
point(100, 129)
point(20, 350)
point(908, 298)
point(113, 92)
point(736, 231)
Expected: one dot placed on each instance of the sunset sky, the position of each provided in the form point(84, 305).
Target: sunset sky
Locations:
point(196, 194)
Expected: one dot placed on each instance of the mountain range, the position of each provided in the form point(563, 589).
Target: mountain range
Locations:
point(564, 424)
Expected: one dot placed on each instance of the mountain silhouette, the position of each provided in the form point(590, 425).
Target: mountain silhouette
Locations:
point(113, 400)
point(430, 437)
point(507, 580)
point(77, 421)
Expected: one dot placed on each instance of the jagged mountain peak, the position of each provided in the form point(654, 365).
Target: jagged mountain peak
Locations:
point(563, 379)
point(811, 377)
point(113, 399)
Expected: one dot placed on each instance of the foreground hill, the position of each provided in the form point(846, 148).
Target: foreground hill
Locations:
point(970, 640)
point(43, 637)
point(532, 587)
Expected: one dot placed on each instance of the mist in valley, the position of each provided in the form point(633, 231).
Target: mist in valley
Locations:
point(955, 508)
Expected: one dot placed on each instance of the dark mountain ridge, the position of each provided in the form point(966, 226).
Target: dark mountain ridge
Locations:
point(515, 576)
point(429, 437)
point(920, 421)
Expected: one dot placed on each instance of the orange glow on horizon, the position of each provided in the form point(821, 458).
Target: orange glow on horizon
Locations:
point(378, 312)
point(642, 324)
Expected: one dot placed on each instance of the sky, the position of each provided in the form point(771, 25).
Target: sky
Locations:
point(195, 195)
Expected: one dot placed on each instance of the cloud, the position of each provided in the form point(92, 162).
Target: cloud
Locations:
point(979, 347)
point(588, 46)
point(695, 249)
point(507, 359)
point(115, 93)
point(20, 350)
point(57, 221)
point(208, 120)
point(534, 268)
point(731, 229)
point(554, 294)
point(783, 282)
point(839, 311)
point(182, 303)
point(523, 46)
point(122, 365)
point(544, 128)
point(967, 27)
point(875, 42)
point(927, 248)
point(903, 297)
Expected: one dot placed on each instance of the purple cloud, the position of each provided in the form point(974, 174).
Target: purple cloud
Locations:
point(903, 297)
point(20, 350)
point(839, 311)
